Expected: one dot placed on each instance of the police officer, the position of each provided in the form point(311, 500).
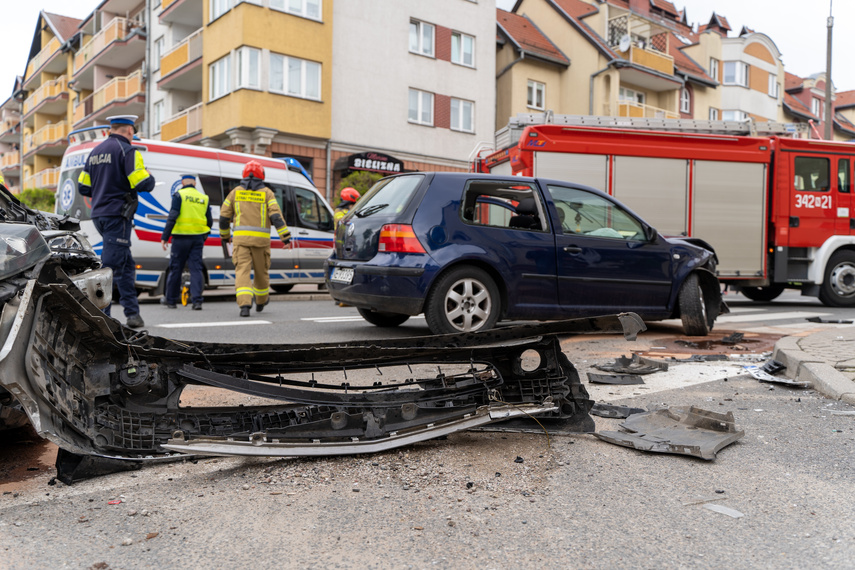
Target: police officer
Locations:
point(349, 196)
point(113, 175)
point(189, 224)
point(254, 208)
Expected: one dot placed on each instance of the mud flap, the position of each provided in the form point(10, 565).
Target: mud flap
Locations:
point(71, 467)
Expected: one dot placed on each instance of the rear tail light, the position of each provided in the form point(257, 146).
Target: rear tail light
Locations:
point(399, 238)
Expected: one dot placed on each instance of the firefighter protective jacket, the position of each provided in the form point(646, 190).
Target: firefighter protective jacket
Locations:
point(254, 208)
point(113, 170)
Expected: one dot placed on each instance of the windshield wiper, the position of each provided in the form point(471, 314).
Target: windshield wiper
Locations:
point(370, 210)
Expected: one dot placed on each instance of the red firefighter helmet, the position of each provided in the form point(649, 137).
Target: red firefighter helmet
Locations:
point(349, 195)
point(253, 168)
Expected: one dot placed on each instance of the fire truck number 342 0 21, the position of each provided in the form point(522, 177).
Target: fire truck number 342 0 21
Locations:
point(813, 201)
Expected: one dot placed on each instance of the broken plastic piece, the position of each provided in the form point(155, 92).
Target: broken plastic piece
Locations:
point(734, 338)
point(618, 379)
point(773, 367)
point(724, 510)
point(612, 411)
point(831, 321)
point(685, 431)
point(635, 365)
point(703, 358)
point(763, 376)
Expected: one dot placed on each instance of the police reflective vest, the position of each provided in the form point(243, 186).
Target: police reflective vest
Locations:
point(192, 220)
point(253, 212)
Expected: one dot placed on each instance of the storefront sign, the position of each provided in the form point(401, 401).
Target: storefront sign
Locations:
point(375, 162)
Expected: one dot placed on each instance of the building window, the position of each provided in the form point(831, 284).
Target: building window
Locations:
point(685, 101)
point(736, 73)
point(305, 8)
point(714, 68)
point(295, 77)
point(219, 74)
point(421, 38)
point(536, 95)
point(462, 49)
point(249, 67)
point(773, 86)
point(631, 95)
point(734, 116)
point(156, 116)
point(816, 107)
point(157, 53)
point(461, 115)
point(713, 114)
point(421, 107)
point(219, 7)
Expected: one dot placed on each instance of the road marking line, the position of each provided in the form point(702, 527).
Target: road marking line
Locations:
point(213, 324)
point(347, 319)
point(769, 317)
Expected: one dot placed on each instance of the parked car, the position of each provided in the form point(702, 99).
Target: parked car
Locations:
point(469, 249)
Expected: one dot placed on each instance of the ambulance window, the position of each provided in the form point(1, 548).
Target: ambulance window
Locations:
point(844, 176)
point(230, 184)
point(212, 188)
point(311, 212)
point(811, 174)
point(280, 192)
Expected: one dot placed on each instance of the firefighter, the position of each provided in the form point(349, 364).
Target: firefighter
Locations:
point(2, 180)
point(113, 176)
point(189, 224)
point(349, 196)
point(254, 208)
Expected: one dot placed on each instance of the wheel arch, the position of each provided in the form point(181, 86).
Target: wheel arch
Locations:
point(711, 287)
point(816, 271)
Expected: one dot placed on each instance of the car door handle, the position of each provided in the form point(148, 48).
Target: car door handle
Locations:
point(303, 233)
point(573, 249)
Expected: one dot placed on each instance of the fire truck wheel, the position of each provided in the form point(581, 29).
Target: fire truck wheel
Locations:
point(383, 320)
point(762, 293)
point(465, 299)
point(693, 308)
point(838, 286)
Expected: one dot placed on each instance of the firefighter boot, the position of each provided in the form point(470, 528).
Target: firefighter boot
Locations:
point(244, 311)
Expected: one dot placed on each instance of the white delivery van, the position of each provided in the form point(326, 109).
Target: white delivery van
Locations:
point(308, 215)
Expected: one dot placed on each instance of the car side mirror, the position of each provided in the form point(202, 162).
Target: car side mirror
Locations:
point(651, 234)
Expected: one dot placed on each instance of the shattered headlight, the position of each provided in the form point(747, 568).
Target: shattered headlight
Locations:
point(70, 242)
point(21, 247)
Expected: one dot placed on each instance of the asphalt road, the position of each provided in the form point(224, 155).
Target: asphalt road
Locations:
point(468, 501)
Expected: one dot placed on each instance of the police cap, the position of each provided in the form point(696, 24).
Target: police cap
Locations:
point(124, 120)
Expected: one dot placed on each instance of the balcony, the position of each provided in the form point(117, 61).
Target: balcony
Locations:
point(181, 67)
point(183, 126)
point(184, 12)
point(120, 45)
point(10, 131)
point(651, 59)
point(41, 59)
point(632, 109)
point(10, 160)
point(120, 95)
point(54, 92)
point(53, 136)
point(47, 178)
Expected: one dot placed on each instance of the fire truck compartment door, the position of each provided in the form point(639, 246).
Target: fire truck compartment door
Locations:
point(729, 212)
point(588, 169)
point(656, 189)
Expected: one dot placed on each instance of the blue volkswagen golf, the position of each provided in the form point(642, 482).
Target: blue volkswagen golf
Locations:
point(469, 250)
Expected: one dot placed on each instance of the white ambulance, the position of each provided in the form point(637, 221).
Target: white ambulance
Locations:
point(307, 213)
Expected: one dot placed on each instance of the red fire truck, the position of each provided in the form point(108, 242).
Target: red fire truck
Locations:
point(778, 211)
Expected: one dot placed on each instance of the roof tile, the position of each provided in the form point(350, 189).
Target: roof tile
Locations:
point(65, 26)
point(525, 34)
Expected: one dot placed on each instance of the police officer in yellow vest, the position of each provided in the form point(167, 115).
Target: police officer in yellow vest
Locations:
point(254, 208)
point(189, 224)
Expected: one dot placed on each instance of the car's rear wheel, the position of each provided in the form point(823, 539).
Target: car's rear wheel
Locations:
point(762, 294)
point(383, 319)
point(282, 288)
point(463, 300)
point(696, 316)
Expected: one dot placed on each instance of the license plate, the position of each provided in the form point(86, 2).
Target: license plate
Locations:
point(342, 274)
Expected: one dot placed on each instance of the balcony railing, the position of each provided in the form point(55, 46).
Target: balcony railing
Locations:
point(10, 159)
point(117, 89)
point(48, 90)
point(41, 58)
point(47, 178)
point(164, 4)
point(45, 135)
point(632, 109)
point(117, 29)
point(183, 124)
point(190, 49)
point(9, 124)
point(652, 59)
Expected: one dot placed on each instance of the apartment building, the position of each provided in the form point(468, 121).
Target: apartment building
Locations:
point(47, 100)
point(10, 140)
